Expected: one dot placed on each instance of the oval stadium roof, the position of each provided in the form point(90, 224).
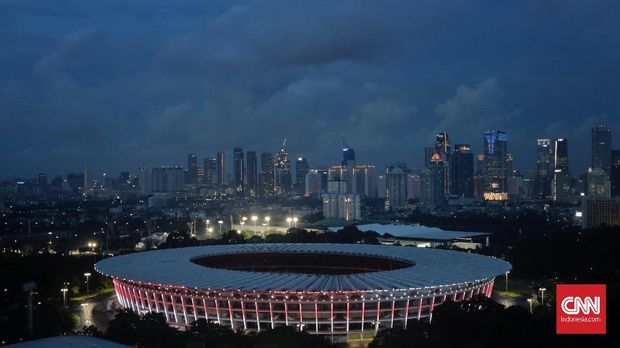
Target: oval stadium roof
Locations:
point(174, 267)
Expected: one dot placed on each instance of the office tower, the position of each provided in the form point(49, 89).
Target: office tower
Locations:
point(601, 148)
point(238, 171)
point(363, 180)
point(267, 175)
point(381, 186)
point(192, 169)
point(561, 182)
point(251, 187)
point(598, 212)
point(436, 180)
point(210, 168)
point(221, 169)
point(144, 179)
point(167, 179)
point(42, 183)
point(313, 183)
point(444, 150)
point(282, 171)
point(509, 165)
point(413, 186)
point(462, 171)
point(396, 186)
point(429, 151)
point(494, 168)
point(348, 155)
point(341, 206)
point(301, 169)
point(598, 184)
point(615, 173)
point(544, 168)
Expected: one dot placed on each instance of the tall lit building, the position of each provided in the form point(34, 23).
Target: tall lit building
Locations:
point(341, 206)
point(192, 169)
point(436, 184)
point(598, 212)
point(396, 186)
point(238, 171)
point(301, 169)
point(363, 181)
point(251, 162)
point(444, 150)
point(266, 176)
point(462, 171)
point(221, 169)
point(210, 167)
point(167, 179)
point(495, 170)
point(561, 189)
point(313, 183)
point(544, 168)
point(598, 184)
point(348, 155)
point(615, 173)
point(144, 179)
point(601, 148)
point(381, 186)
point(282, 171)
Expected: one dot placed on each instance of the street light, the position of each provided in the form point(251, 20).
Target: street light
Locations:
point(254, 219)
point(295, 221)
point(530, 301)
point(87, 275)
point(507, 280)
point(220, 222)
point(64, 296)
point(542, 295)
point(289, 220)
point(267, 219)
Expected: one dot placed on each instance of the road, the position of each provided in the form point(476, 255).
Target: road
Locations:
point(97, 311)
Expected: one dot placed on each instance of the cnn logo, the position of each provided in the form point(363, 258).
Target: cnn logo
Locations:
point(580, 309)
point(572, 305)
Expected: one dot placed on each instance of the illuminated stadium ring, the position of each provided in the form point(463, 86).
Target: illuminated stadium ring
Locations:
point(332, 289)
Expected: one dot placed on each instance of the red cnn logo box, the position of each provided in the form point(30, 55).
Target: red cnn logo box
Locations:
point(580, 309)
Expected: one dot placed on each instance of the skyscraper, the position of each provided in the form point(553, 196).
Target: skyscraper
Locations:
point(210, 168)
point(282, 171)
point(495, 169)
point(167, 179)
point(221, 169)
point(238, 171)
point(544, 168)
point(462, 171)
point(266, 176)
point(615, 173)
point(348, 155)
point(396, 186)
point(561, 181)
point(301, 169)
point(601, 148)
point(444, 150)
point(251, 173)
point(192, 169)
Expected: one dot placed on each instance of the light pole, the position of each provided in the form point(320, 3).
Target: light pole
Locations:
point(242, 223)
point(507, 280)
point(267, 219)
point(87, 275)
point(254, 219)
point(295, 221)
point(220, 222)
point(64, 296)
point(542, 295)
point(530, 301)
point(289, 220)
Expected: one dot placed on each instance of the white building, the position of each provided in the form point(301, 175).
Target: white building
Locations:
point(341, 206)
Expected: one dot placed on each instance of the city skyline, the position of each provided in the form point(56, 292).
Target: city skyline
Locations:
point(117, 88)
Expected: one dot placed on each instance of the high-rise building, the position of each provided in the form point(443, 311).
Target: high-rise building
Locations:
point(210, 168)
point(381, 186)
point(348, 155)
point(544, 168)
point(444, 150)
point(221, 169)
point(192, 169)
point(251, 187)
point(429, 151)
point(301, 169)
point(144, 179)
point(462, 171)
point(598, 184)
point(598, 212)
point(413, 186)
point(396, 186)
point(363, 180)
point(495, 170)
point(282, 171)
point(615, 173)
point(436, 185)
point(341, 206)
point(313, 183)
point(561, 182)
point(167, 179)
point(601, 148)
point(267, 175)
point(238, 171)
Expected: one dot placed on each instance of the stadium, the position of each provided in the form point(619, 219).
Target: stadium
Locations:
point(346, 291)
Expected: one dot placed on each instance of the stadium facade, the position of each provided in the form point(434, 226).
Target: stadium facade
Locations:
point(347, 291)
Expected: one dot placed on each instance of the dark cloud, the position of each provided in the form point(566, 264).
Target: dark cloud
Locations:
point(119, 83)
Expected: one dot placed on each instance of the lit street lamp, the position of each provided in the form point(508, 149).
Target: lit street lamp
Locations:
point(220, 222)
point(87, 275)
point(295, 221)
point(64, 296)
point(267, 219)
point(530, 301)
point(507, 280)
point(289, 220)
point(542, 295)
point(254, 219)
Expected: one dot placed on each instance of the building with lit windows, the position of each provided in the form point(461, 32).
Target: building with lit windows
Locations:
point(345, 291)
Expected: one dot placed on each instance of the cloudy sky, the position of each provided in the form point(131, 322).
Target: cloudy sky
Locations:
point(117, 83)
